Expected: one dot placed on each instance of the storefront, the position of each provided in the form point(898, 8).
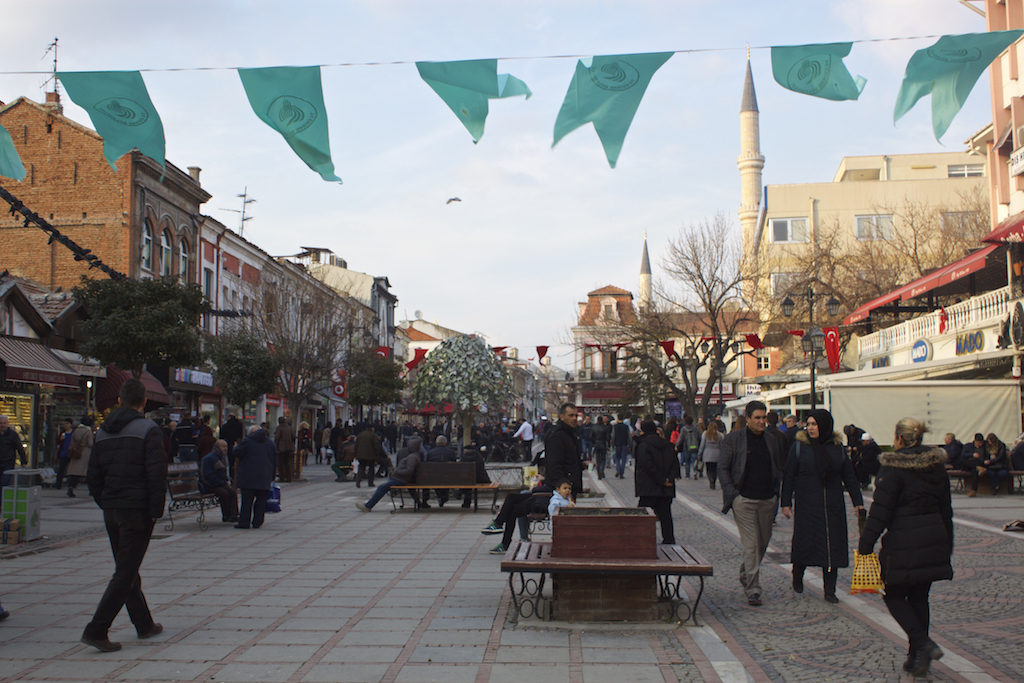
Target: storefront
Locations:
point(31, 375)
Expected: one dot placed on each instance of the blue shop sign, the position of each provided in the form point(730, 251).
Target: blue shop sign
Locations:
point(921, 351)
point(972, 342)
point(882, 362)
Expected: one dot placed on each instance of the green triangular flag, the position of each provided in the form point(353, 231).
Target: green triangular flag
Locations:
point(290, 99)
point(816, 70)
point(467, 85)
point(119, 107)
point(10, 162)
point(948, 70)
point(607, 91)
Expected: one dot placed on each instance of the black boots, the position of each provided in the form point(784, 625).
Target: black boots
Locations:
point(830, 576)
point(798, 578)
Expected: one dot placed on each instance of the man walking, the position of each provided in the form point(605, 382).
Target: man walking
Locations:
point(750, 467)
point(620, 439)
point(601, 434)
point(284, 443)
point(127, 478)
point(562, 451)
point(525, 432)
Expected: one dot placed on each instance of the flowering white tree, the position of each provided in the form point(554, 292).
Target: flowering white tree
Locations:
point(465, 372)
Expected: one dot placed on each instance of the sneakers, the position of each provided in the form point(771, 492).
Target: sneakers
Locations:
point(754, 600)
point(492, 528)
point(4, 614)
point(498, 549)
point(362, 507)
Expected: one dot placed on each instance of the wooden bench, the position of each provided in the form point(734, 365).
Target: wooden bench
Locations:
point(183, 488)
point(1014, 481)
point(960, 477)
point(444, 475)
point(672, 564)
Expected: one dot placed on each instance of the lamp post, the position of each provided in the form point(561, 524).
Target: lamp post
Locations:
point(813, 341)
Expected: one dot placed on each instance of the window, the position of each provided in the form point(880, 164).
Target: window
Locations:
point(960, 221)
point(764, 359)
point(183, 260)
point(166, 255)
point(875, 227)
point(146, 258)
point(783, 283)
point(608, 311)
point(789, 229)
point(610, 363)
point(965, 170)
point(208, 291)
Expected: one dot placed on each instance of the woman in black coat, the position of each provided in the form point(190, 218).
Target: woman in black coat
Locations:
point(817, 470)
point(912, 505)
point(655, 477)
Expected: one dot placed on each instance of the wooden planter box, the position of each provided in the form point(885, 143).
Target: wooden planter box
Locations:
point(607, 533)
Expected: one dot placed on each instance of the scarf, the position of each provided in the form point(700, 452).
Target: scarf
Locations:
point(825, 424)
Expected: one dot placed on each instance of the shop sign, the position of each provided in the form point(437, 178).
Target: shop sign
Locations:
point(1017, 161)
point(971, 342)
point(921, 351)
point(191, 376)
point(881, 362)
point(751, 389)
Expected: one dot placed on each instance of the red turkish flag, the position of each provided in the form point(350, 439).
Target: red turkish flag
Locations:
point(383, 352)
point(832, 347)
point(541, 352)
point(669, 347)
point(754, 341)
point(943, 320)
point(796, 333)
point(417, 358)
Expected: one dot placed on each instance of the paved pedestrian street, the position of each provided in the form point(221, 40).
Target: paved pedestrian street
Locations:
point(325, 593)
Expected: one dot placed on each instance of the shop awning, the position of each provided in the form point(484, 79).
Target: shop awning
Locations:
point(26, 360)
point(87, 367)
point(971, 263)
point(1010, 230)
point(107, 391)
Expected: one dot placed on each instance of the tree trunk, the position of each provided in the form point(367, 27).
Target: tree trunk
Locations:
point(467, 428)
point(295, 407)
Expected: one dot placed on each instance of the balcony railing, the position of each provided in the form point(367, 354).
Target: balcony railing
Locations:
point(966, 315)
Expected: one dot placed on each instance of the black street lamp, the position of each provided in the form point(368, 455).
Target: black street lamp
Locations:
point(813, 342)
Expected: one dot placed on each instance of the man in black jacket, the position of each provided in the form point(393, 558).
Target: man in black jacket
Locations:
point(10, 448)
point(562, 450)
point(127, 478)
point(655, 478)
point(232, 432)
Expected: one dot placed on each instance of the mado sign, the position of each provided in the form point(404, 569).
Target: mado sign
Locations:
point(972, 342)
point(921, 351)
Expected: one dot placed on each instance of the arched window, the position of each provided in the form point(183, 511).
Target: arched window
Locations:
point(165, 253)
point(183, 260)
point(147, 246)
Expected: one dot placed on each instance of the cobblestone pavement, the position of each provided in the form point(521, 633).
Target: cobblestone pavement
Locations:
point(325, 593)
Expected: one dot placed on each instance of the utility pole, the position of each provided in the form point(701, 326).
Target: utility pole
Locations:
point(52, 47)
point(245, 203)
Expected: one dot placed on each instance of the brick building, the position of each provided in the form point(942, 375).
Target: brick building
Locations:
point(131, 219)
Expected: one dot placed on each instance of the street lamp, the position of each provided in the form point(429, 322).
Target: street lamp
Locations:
point(813, 342)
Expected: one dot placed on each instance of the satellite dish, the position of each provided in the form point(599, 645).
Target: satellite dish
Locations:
point(418, 314)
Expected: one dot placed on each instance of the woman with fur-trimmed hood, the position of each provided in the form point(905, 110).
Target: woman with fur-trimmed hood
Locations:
point(912, 506)
point(817, 470)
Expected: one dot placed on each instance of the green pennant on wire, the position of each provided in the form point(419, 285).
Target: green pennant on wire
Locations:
point(606, 91)
point(466, 87)
point(948, 70)
point(10, 162)
point(290, 100)
point(119, 107)
point(816, 70)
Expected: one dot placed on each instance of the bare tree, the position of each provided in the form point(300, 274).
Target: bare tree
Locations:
point(307, 325)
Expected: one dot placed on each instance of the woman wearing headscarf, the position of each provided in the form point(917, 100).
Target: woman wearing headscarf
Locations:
point(912, 506)
point(817, 470)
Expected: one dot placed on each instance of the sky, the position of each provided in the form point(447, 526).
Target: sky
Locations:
point(537, 228)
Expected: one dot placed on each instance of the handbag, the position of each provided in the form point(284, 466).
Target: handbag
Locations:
point(867, 574)
point(274, 499)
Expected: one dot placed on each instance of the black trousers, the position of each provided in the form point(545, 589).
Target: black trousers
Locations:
point(908, 605)
point(254, 507)
point(516, 505)
point(228, 502)
point(129, 532)
point(662, 507)
point(62, 468)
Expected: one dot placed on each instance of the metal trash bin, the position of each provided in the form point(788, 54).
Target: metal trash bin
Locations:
point(22, 500)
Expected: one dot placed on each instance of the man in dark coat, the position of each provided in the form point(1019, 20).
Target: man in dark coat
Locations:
point(403, 474)
point(655, 477)
point(284, 443)
point(368, 452)
point(601, 434)
point(750, 470)
point(10, 448)
point(620, 440)
point(439, 453)
point(256, 459)
point(213, 475)
point(232, 432)
point(562, 450)
point(127, 478)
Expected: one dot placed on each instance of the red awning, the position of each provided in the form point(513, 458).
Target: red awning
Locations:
point(1010, 230)
point(26, 360)
point(109, 386)
point(943, 276)
point(431, 409)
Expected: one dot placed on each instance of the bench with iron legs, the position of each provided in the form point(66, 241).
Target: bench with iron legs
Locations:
point(672, 564)
point(183, 488)
point(444, 475)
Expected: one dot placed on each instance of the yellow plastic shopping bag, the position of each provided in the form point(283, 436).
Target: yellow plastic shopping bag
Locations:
point(867, 574)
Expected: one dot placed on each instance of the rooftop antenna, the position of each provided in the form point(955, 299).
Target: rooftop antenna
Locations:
point(245, 202)
point(52, 47)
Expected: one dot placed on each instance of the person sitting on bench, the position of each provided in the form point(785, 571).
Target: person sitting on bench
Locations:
point(511, 511)
point(404, 473)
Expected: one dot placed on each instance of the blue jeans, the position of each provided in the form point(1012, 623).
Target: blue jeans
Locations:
point(381, 490)
point(686, 460)
point(621, 453)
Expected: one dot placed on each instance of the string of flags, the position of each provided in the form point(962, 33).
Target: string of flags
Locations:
point(605, 91)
